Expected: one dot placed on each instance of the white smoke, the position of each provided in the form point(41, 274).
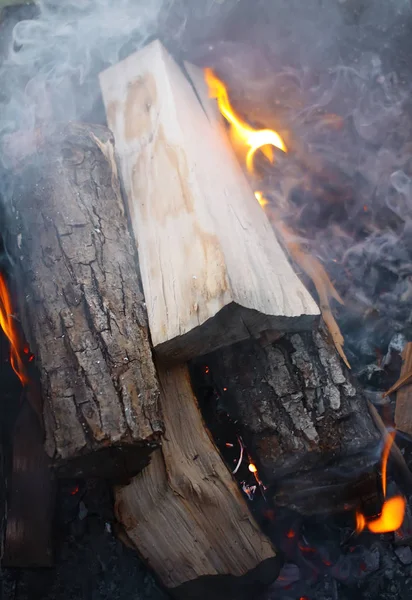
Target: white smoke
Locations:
point(51, 58)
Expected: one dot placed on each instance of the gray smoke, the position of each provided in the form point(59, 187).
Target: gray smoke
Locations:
point(332, 76)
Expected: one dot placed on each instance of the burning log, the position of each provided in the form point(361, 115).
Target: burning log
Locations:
point(296, 408)
point(213, 272)
point(185, 513)
point(86, 321)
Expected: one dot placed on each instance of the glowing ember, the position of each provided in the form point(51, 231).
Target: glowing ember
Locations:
point(252, 468)
point(254, 139)
point(8, 325)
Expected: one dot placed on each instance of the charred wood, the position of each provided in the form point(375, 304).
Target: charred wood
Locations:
point(298, 412)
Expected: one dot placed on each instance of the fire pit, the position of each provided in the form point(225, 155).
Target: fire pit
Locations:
point(205, 279)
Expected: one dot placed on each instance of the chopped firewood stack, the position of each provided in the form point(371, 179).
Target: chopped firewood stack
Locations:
point(214, 276)
point(117, 397)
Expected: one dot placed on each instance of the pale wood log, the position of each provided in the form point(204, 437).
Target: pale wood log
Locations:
point(83, 304)
point(213, 272)
point(403, 411)
point(184, 512)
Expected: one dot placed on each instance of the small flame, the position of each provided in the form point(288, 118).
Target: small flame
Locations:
point(254, 139)
point(252, 468)
point(8, 325)
point(261, 199)
point(393, 512)
point(393, 509)
point(385, 455)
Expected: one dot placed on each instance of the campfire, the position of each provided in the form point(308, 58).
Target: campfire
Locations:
point(204, 290)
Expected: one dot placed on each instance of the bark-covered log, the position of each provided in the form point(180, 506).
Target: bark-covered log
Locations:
point(185, 513)
point(294, 405)
point(85, 316)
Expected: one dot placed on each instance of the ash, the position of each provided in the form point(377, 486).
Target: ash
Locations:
point(91, 561)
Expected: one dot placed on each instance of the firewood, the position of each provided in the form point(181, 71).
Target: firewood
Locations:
point(212, 269)
point(403, 411)
point(297, 409)
point(185, 513)
point(83, 308)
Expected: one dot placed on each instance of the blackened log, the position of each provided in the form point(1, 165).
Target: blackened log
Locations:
point(85, 316)
point(296, 408)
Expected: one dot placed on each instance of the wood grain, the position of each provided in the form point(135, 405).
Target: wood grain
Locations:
point(213, 272)
point(184, 512)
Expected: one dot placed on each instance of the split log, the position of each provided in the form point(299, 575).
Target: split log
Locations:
point(213, 272)
point(85, 317)
point(301, 417)
point(403, 411)
point(185, 513)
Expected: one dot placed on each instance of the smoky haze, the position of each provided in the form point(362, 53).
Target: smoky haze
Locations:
point(332, 76)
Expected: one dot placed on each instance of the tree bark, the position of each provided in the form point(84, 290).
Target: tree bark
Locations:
point(295, 406)
point(185, 514)
point(85, 316)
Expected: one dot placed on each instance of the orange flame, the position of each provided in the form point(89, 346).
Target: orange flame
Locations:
point(254, 139)
point(385, 455)
point(8, 325)
point(261, 199)
point(393, 512)
point(393, 509)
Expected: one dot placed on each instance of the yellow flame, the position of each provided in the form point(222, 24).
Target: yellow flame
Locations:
point(254, 139)
point(261, 199)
